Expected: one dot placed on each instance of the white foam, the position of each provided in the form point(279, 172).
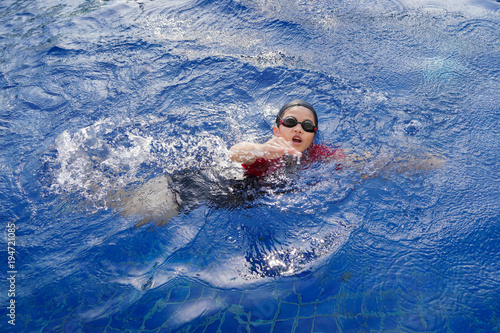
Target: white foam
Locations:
point(102, 158)
point(87, 161)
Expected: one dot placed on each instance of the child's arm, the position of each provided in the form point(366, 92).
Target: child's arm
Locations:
point(371, 165)
point(247, 152)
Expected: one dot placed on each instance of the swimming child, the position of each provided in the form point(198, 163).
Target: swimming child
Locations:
point(292, 147)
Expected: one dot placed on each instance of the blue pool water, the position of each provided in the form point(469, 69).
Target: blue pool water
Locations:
point(99, 98)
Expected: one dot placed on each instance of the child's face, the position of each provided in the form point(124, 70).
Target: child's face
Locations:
point(299, 138)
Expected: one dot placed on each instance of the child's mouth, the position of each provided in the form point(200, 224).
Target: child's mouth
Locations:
point(297, 140)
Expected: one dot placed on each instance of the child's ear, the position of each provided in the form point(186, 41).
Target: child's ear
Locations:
point(276, 131)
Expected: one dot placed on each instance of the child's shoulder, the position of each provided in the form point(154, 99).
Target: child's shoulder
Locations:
point(319, 151)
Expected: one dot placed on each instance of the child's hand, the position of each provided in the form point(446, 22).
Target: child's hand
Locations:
point(277, 147)
point(247, 153)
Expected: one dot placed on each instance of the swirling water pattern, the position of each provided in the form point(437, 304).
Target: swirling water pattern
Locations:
point(103, 96)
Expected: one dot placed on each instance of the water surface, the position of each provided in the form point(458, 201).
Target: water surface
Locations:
point(99, 97)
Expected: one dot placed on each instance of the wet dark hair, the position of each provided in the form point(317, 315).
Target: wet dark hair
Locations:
point(296, 102)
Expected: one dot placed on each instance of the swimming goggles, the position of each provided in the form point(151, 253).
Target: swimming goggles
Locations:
point(307, 125)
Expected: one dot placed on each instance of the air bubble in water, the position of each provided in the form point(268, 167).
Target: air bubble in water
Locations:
point(413, 127)
point(231, 239)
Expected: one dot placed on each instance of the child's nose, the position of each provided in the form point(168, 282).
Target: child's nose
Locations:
point(298, 128)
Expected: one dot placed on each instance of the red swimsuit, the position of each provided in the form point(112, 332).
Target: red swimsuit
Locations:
point(263, 167)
